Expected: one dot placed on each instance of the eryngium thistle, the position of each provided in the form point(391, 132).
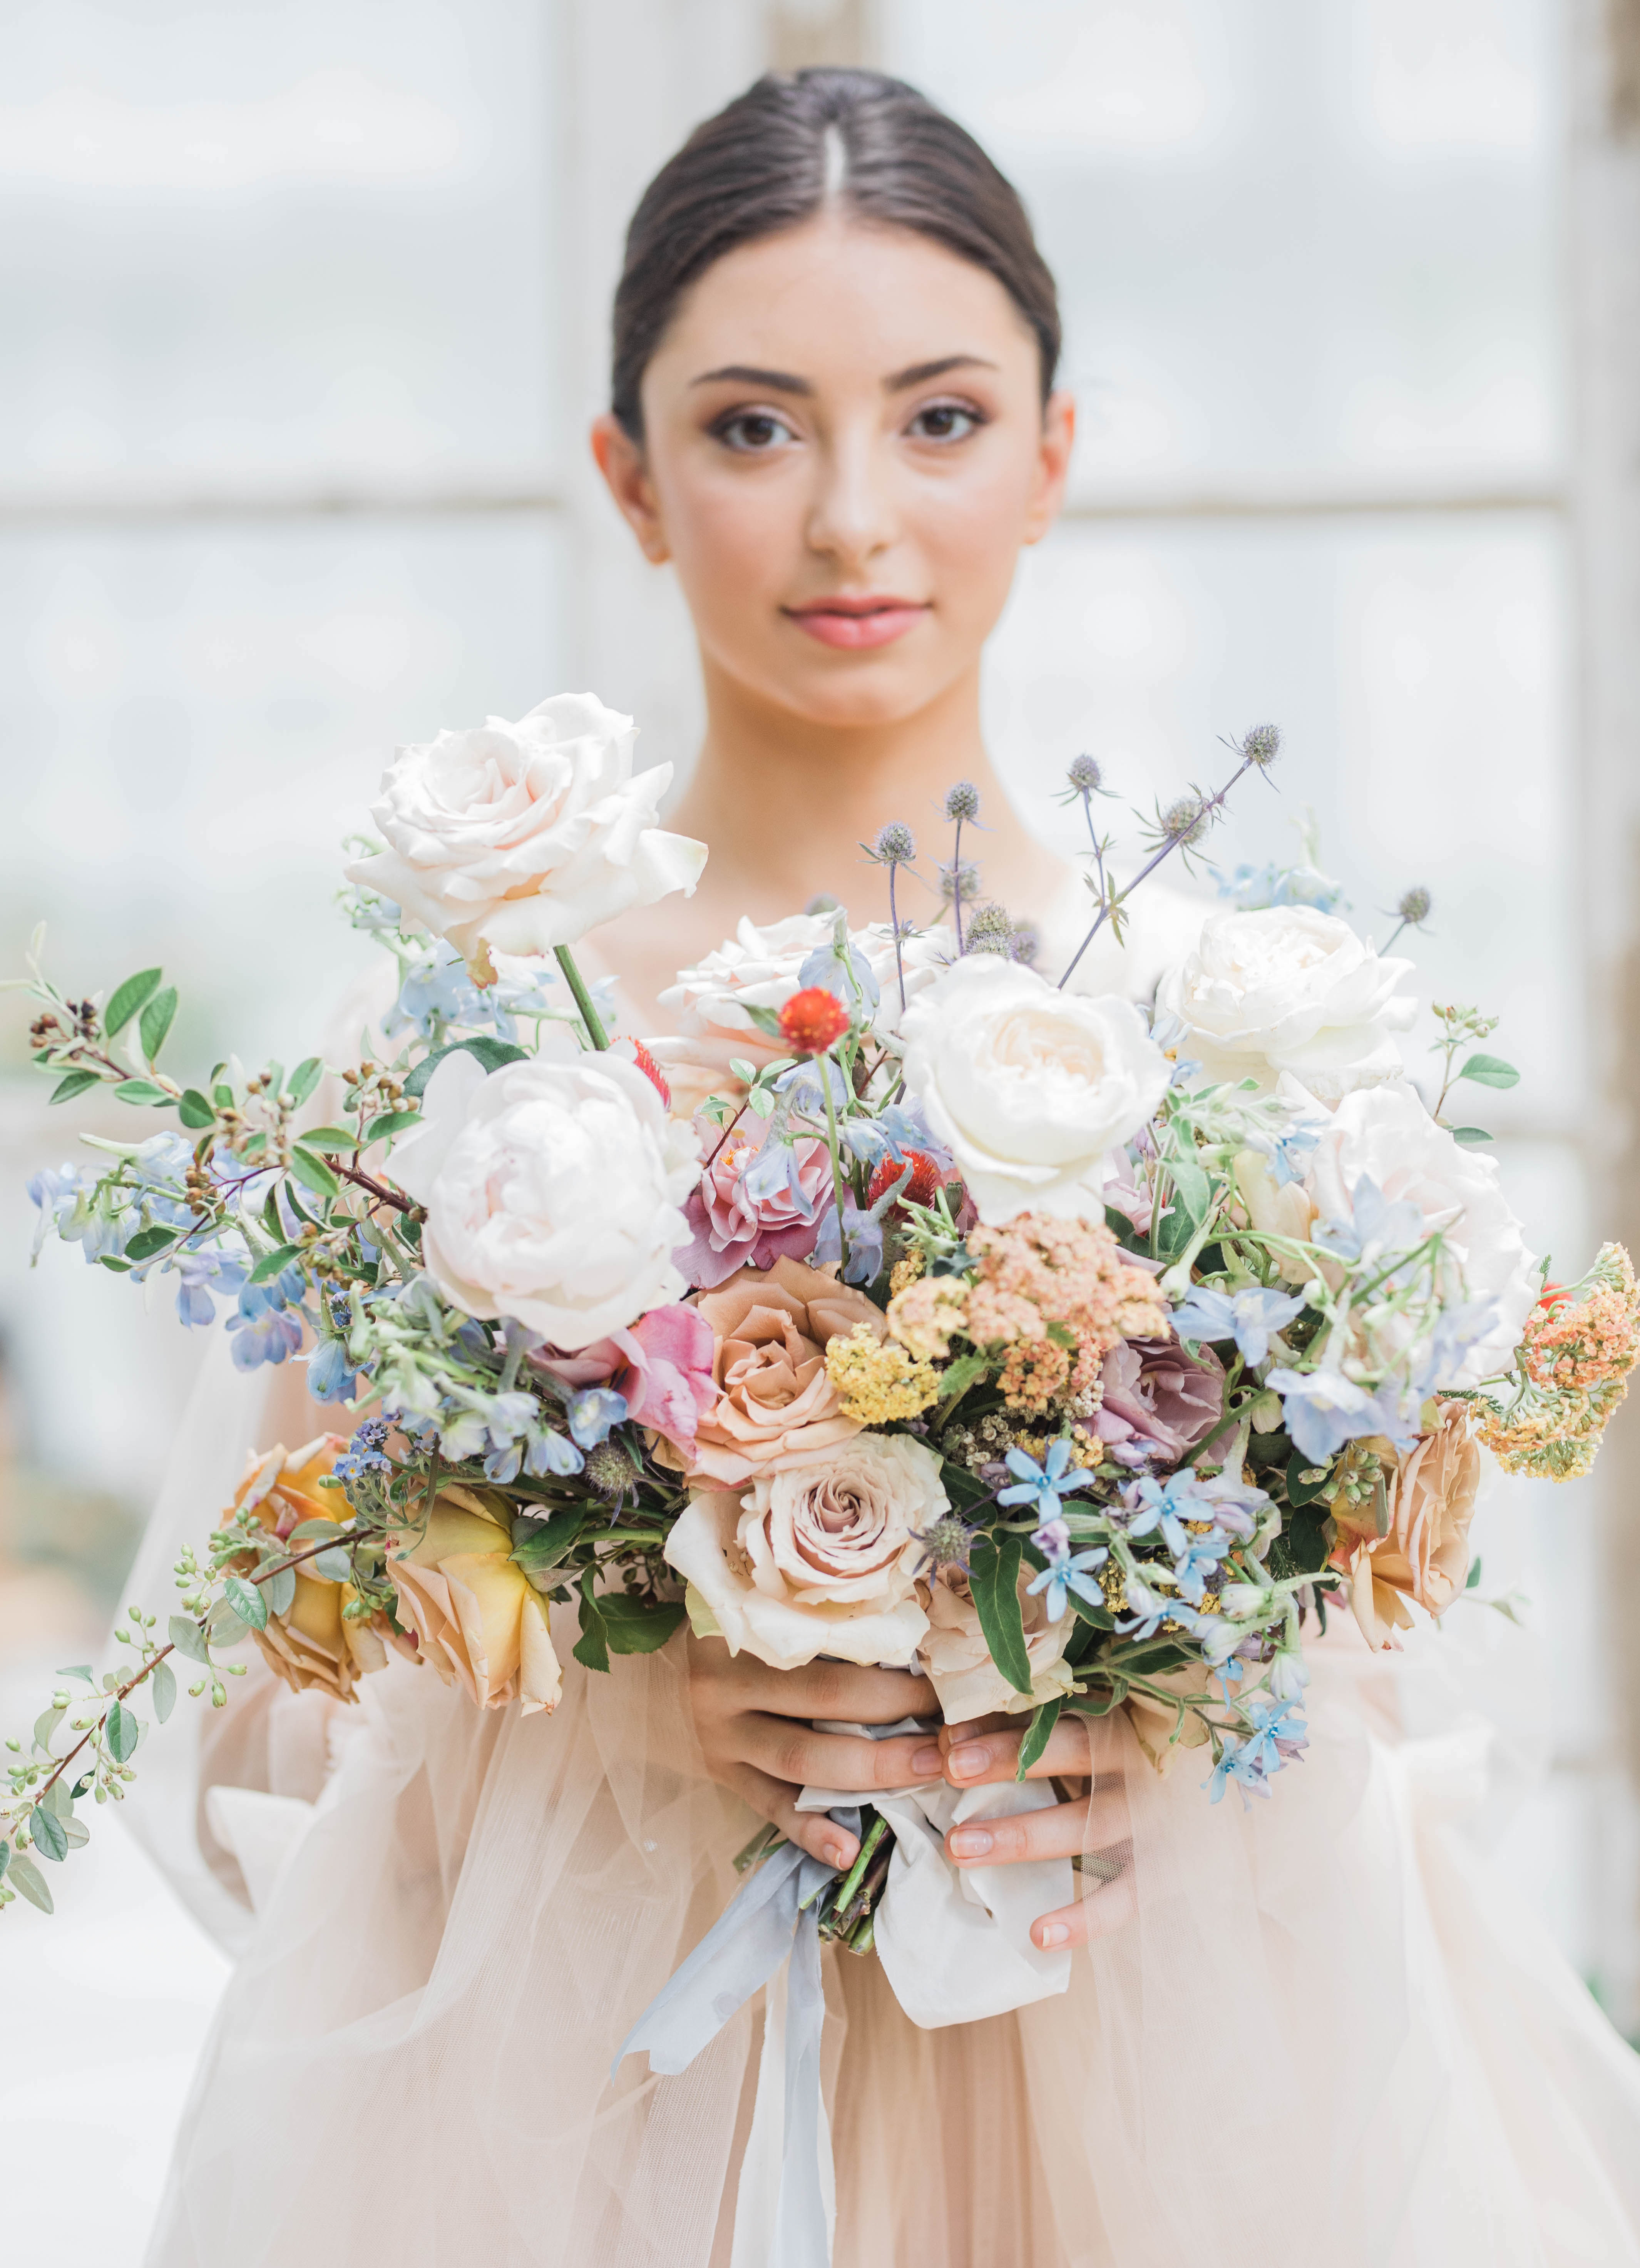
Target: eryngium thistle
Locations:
point(609, 1471)
point(1262, 745)
point(967, 874)
point(1414, 908)
point(961, 801)
point(1185, 821)
point(990, 930)
point(1026, 943)
point(1084, 774)
point(946, 1542)
point(894, 846)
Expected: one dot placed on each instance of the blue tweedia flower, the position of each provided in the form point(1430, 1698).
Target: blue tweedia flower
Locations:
point(1172, 1506)
point(1324, 1409)
point(1377, 1228)
point(592, 1412)
point(1170, 1034)
point(1149, 1609)
point(1289, 1155)
point(1246, 1316)
point(1043, 1484)
point(364, 1452)
point(1066, 1571)
point(1277, 1738)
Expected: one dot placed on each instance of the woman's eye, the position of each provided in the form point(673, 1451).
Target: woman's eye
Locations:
point(944, 420)
point(754, 433)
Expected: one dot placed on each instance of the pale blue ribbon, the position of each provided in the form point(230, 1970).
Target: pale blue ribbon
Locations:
point(772, 1919)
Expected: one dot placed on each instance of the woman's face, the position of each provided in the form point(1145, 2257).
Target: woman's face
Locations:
point(844, 448)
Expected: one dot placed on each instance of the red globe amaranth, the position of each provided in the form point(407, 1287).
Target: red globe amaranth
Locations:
point(651, 1071)
point(926, 1182)
point(812, 1021)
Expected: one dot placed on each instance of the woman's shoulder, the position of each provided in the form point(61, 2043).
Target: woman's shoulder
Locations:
point(1162, 925)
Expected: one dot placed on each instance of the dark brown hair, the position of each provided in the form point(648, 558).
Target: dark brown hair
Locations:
point(773, 157)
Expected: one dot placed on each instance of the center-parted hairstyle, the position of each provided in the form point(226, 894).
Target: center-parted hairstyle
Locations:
point(785, 150)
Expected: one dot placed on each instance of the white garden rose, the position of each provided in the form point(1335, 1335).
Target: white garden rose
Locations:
point(516, 839)
point(1386, 1133)
point(820, 1559)
point(1289, 989)
point(1028, 1086)
point(552, 1190)
point(762, 968)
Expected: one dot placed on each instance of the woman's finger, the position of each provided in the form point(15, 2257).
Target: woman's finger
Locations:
point(976, 1756)
point(794, 1752)
point(1060, 1830)
point(836, 1690)
point(1102, 1907)
point(772, 1799)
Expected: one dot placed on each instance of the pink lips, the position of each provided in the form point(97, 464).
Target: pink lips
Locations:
point(855, 623)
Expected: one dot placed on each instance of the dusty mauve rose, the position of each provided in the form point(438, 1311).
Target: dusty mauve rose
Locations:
point(777, 1406)
point(744, 1213)
point(479, 1621)
point(957, 1660)
point(662, 1366)
point(1425, 1555)
point(516, 839)
point(1153, 1391)
point(551, 1190)
point(821, 1559)
point(311, 1644)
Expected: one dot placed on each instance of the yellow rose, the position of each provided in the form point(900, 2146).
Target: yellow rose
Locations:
point(311, 1644)
point(477, 1617)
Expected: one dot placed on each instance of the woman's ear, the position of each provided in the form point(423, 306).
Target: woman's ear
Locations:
point(1059, 432)
point(625, 471)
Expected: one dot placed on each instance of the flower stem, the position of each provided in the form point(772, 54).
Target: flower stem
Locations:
point(823, 1065)
point(894, 918)
point(1210, 806)
point(957, 897)
point(577, 983)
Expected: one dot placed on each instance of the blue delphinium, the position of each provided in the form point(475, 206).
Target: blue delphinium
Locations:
point(267, 1324)
point(593, 1411)
point(1247, 1316)
point(1378, 1227)
point(212, 1272)
point(1324, 1409)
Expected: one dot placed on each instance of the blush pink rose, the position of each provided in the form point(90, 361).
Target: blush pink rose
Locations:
point(731, 1227)
point(1153, 1391)
point(662, 1365)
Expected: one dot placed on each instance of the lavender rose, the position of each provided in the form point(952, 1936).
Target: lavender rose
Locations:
point(1155, 1392)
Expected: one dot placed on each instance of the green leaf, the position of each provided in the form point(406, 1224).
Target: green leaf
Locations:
point(45, 1725)
point(1299, 1490)
point(75, 1083)
point(330, 1137)
point(193, 1109)
point(279, 1591)
point(309, 1531)
point(80, 1669)
point(162, 1685)
point(389, 1124)
point(1100, 1618)
point(336, 1566)
point(632, 1627)
point(1474, 1577)
point(274, 1264)
point(591, 1648)
point(314, 1173)
point(1188, 1207)
point(120, 1730)
point(225, 1627)
point(1490, 1070)
point(247, 1601)
point(128, 998)
point(304, 1078)
point(490, 1053)
point(1035, 1739)
point(147, 1242)
point(24, 1875)
point(958, 1376)
point(188, 1638)
point(996, 1586)
point(156, 1021)
point(111, 1260)
point(50, 1836)
point(538, 1545)
point(141, 1091)
point(1470, 1135)
point(1301, 1549)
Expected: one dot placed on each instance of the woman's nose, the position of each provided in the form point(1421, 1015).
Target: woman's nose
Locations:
point(852, 517)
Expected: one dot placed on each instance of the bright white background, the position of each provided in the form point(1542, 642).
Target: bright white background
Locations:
point(302, 317)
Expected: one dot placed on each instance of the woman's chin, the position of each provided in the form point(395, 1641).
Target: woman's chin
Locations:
point(856, 692)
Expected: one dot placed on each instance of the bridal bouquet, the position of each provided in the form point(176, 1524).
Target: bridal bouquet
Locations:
point(901, 1307)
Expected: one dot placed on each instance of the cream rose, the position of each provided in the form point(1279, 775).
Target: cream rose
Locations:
point(552, 1190)
point(1288, 988)
point(957, 1660)
point(1028, 1086)
point(478, 1618)
point(818, 1559)
point(1386, 1133)
point(1424, 1555)
point(515, 839)
point(762, 968)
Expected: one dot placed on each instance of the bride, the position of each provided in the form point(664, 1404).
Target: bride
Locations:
point(1317, 2032)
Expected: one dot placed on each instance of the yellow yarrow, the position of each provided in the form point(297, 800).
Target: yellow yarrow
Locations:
point(877, 1382)
point(906, 1270)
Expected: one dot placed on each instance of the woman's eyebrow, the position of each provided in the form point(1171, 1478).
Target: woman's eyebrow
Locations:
point(743, 373)
point(921, 373)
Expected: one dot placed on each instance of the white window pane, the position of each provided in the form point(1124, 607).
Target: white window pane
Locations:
point(305, 240)
point(1293, 243)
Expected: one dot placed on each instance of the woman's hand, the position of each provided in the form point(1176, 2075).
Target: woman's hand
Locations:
point(1094, 1821)
point(753, 1724)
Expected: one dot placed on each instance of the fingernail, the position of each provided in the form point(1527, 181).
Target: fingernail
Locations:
point(970, 1842)
point(1052, 1933)
point(930, 1762)
point(838, 1855)
point(969, 1762)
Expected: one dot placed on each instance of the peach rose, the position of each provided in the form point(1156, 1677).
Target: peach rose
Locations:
point(776, 1405)
point(819, 1558)
point(957, 1660)
point(312, 1644)
point(480, 1621)
point(1424, 1556)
